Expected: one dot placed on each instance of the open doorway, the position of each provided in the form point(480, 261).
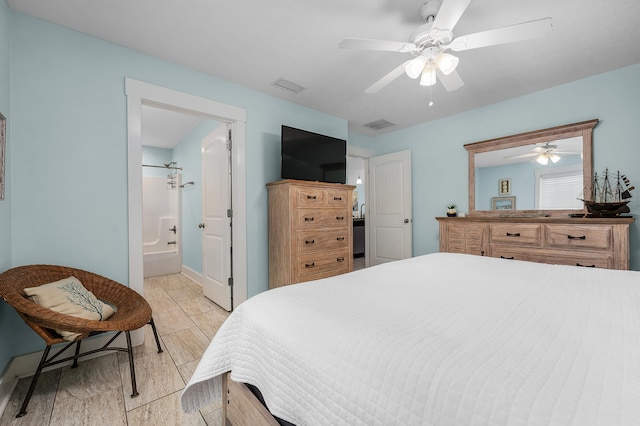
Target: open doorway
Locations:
point(356, 167)
point(139, 94)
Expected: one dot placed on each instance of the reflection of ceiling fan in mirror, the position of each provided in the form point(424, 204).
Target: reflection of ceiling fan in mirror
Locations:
point(430, 42)
point(543, 154)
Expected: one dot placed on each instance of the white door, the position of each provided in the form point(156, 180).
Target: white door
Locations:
point(389, 218)
point(216, 220)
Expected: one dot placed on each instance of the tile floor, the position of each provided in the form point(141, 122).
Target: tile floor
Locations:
point(98, 391)
point(358, 263)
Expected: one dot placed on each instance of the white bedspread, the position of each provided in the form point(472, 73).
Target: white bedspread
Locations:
point(441, 339)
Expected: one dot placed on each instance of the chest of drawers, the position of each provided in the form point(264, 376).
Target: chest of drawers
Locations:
point(310, 231)
point(591, 242)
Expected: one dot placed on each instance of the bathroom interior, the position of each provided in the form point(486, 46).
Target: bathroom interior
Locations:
point(161, 200)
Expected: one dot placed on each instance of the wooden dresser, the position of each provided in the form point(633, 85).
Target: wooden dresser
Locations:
point(592, 242)
point(310, 231)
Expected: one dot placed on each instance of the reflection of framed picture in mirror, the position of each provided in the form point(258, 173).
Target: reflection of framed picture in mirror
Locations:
point(504, 186)
point(503, 203)
point(3, 146)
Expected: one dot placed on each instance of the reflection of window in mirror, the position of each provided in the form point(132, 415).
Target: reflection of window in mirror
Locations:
point(558, 188)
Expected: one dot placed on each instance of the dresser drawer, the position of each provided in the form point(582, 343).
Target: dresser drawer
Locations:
point(309, 197)
point(310, 241)
point(596, 237)
point(336, 198)
point(321, 265)
point(322, 218)
point(594, 260)
point(515, 233)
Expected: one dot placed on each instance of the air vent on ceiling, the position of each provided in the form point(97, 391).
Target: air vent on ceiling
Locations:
point(289, 86)
point(379, 124)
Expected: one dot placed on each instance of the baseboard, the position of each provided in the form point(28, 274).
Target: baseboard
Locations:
point(193, 275)
point(8, 382)
point(26, 365)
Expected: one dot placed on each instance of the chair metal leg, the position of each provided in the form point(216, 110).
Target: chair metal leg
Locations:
point(134, 388)
point(34, 381)
point(75, 357)
point(155, 334)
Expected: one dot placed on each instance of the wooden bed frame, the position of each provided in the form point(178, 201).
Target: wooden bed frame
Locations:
point(242, 408)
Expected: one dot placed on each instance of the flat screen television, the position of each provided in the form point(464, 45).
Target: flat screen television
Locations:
point(310, 156)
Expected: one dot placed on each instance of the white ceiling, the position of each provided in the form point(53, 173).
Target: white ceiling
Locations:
point(255, 42)
point(162, 128)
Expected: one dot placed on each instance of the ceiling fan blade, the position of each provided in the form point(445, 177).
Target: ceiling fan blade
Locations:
point(450, 82)
point(531, 154)
point(524, 31)
point(395, 73)
point(450, 13)
point(383, 45)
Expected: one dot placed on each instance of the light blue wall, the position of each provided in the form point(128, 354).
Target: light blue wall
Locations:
point(154, 156)
point(7, 314)
point(439, 160)
point(70, 157)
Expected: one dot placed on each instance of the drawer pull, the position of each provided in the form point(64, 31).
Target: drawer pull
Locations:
point(308, 219)
point(310, 265)
point(340, 238)
point(510, 258)
point(337, 198)
point(339, 217)
point(586, 266)
point(309, 241)
point(509, 234)
point(571, 237)
point(311, 197)
point(340, 259)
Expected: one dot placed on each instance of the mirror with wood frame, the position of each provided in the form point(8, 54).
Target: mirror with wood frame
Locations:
point(538, 173)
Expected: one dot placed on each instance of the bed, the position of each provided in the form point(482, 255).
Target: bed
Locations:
point(441, 339)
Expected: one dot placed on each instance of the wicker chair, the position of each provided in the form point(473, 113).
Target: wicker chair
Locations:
point(133, 312)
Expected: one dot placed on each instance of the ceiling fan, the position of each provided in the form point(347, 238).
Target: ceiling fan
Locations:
point(544, 154)
point(429, 44)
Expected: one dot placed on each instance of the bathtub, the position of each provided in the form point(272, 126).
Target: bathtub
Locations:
point(159, 257)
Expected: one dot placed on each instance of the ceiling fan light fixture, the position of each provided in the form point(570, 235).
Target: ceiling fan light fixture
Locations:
point(428, 75)
point(554, 158)
point(415, 66)
point(446, 62)
point(542, 159)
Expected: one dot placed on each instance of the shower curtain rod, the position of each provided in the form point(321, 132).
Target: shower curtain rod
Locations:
point(163, 167)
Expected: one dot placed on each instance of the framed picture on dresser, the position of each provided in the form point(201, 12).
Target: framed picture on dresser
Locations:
point(503, 203)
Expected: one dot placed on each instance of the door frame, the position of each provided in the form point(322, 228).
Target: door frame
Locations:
point(139, 93)
point(365, 154)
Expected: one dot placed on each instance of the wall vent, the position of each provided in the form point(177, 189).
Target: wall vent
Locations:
point(289, 86)
point(379, 124)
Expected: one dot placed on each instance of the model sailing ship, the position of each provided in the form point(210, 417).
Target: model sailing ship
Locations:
point(608, 195)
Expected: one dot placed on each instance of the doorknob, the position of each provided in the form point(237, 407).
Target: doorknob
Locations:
point(201, 225)
point(406, 221)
